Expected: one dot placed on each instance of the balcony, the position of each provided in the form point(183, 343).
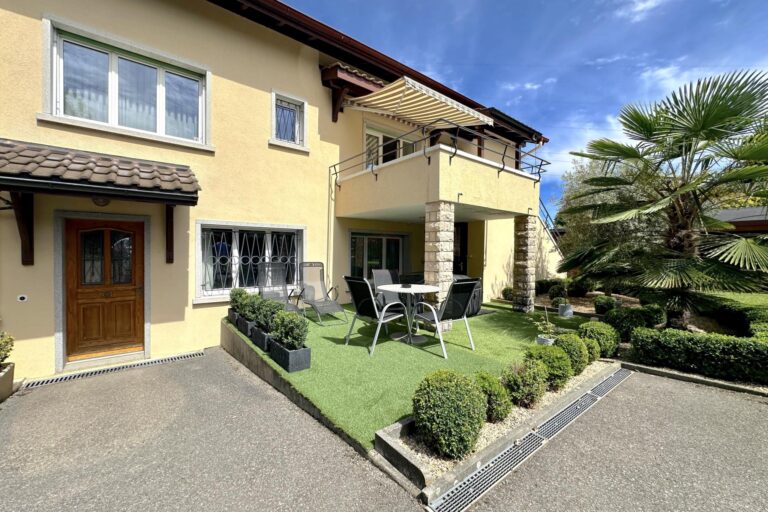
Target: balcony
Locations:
point(485, 177)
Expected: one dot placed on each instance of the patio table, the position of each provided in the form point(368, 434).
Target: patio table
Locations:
point(410, 306)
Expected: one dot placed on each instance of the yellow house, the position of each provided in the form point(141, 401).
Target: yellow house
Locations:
point(154, 152)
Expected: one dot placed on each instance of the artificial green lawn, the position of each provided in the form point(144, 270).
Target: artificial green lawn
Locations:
point(753, 300)
point(362, 394)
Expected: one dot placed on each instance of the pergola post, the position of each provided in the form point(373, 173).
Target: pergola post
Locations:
point(438, 247)
point(524, 272)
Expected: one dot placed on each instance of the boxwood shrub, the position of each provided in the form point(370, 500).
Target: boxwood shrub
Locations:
point(526, 382)
point(236, 298)
point(575, 349)
point(605, 335)
point(557, 301)
point(249, 306)
point(449, 410)
point(498, 403)
point(543, 285)
point(603, 304)
point(655, 313)
point(593, 348)
point(580, 287)
point(6, 345)
point(557, 291)
point(558, 364)
point(290, 329)
point(266, 310)
point(713, 355)
point(507, 293)
point(625, 320)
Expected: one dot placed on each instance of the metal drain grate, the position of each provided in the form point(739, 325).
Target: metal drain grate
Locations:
point(464, 494)
point(611, 382)
point(482, 480)
point(112, 369)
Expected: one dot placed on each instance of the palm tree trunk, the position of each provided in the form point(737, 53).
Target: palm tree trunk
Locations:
point(682, 237)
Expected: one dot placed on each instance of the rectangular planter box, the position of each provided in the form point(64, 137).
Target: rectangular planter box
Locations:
point(6, 380)
point(244, 326)
point(290, 360)
point(232, 316)
point(260, 338)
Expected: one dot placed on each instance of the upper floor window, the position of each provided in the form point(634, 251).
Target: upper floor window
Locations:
point(97, 82)
point(381, 148)
point(288, 120)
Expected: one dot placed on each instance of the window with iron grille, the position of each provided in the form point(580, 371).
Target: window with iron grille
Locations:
point(230, 256)
point(289, 118)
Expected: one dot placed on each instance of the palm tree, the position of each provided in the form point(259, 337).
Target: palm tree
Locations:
point(688, 154)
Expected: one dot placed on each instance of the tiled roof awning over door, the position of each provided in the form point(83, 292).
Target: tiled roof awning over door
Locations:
point(415, 103)
point(30, 167)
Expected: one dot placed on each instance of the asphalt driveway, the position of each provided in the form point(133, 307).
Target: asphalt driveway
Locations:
point(653, 444)
point(201, 434)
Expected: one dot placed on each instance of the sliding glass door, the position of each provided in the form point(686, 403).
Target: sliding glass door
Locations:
point(370, 251)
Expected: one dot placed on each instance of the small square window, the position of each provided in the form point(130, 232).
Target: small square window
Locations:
point(289, 119)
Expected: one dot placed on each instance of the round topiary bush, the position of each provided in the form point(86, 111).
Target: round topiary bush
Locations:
point(557, 301)
point(605, 335)
point(626, 320)
point(507, 293)
point(266, 311)
point(593, 348)
point(604, 304)
point(249, 306)
point(557, 362)
point(290, 330)
point(543, 285)
point(557, 291)
point(6, 345)
point(580, 287)
point(449, 410)
point(526, 382)
point(237, 297)
point(576, 350)
point(655, 314)
point(498, 404)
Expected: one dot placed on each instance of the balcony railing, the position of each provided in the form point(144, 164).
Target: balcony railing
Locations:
point(507, 156)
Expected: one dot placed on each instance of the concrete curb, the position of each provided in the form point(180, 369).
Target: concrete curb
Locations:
point(695, 379)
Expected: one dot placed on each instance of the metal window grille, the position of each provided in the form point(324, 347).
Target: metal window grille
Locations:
point(231, 257)
point(289, 121)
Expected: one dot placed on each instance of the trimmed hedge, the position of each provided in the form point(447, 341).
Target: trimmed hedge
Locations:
point(580, 287)
point(605, 335)
point(498, 403)
point(604, 304)
point(6, 345)
point(290, 329)
point(656, 314)
point(625, 320)
point(249, 306)
point(543, 285)
point(558, 364)
point(557, 301)
point(713, 355)
point(236, 298)
point(507, 293)
point(266, 311)
point(449, 410)
point(593, 348)
point(526, 382)
point(745, 320)
point(575, 349)
point(557, 291)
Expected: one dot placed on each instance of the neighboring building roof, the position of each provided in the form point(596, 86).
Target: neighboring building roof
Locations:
point(752, 213)
point(315, 34)
point(32, 166)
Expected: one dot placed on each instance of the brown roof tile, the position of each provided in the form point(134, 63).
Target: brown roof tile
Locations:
point(48, 162)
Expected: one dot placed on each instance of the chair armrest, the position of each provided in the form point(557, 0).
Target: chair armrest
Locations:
point(389, 305)
point(431, 308)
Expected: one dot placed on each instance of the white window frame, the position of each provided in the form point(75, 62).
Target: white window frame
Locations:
point(301, 131)
point(203, 296)
point(380, 134)
point(56, 31)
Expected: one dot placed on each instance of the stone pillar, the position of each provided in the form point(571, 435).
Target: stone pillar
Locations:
point(524, 273)
point(438, 247)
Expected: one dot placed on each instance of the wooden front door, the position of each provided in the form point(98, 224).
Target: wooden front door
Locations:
point(104, 288)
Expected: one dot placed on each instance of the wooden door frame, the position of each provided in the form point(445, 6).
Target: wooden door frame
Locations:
point(60, 293)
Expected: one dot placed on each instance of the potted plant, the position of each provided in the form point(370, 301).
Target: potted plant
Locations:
point(236, 297)
point(564, 308)
point(6, 369)
point(546, 329)
point(265, 313)
point(290, 334)
point(246, 315)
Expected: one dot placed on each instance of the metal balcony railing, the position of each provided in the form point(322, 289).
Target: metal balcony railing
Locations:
point(507, 156)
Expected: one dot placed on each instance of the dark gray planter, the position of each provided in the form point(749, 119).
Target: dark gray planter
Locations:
point(260, 338)
point(290, 360)
point(232, 316)
point(244, 326)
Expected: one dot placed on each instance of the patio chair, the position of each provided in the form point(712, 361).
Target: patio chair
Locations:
point(366, 308)
point(313, 291)
point(384, 277)
point(454, 307)
point(272, 284)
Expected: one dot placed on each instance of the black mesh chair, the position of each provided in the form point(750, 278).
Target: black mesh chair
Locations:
point(454, 307)
point(384, 277)
point(366, 308)
point(313, 292)
point(272, 284)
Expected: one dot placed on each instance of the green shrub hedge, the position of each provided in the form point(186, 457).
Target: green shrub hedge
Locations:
point(579, 287)
point(558, 364)
point(656, 314)
point(290, 329)
point(507, 293)
point(625, 320)
point(498, 403)
point(575, 349)
point(236, 298)
point(605, 335)
point(604, 304)
point(449, 410)
point(593, 348)
point(526, 382)
point(557, 291)
point(712, 355)
point(543, 285)
point(557, 301)
point(249, 306)
point(266, 311)
point(6, 345)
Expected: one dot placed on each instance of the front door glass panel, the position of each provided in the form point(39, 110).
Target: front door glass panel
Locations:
point(121, 243)
point(92, 257)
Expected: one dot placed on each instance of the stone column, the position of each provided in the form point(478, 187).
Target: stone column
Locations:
point(524, 273)
point(438, 247)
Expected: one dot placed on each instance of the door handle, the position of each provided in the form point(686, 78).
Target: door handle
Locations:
point(106, 295)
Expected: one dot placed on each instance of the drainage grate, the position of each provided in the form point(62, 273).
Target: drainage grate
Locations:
point(112, 369)
point(611, 382)
point(482, 480)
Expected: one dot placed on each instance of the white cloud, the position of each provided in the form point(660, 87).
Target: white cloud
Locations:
point(638, 10)
point(528, 86)
point(550, 80)
point(602, 61)
point(531, 86)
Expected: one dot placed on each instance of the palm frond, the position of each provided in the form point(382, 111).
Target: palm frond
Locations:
point(608, 148)
point(742, 174)
point(713, 223)
point(744, 253)
point(754, 149)
point(607, 181)
point(642, 123)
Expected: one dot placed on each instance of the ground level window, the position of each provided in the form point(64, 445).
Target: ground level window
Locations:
point(371, 251)
point(230, 257)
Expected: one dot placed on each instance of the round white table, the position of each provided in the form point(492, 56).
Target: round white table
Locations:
point(410, 306)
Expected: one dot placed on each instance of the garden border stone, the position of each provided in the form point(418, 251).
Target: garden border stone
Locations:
point(388, 445)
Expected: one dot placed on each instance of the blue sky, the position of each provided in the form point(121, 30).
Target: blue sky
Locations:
point(564, 67)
